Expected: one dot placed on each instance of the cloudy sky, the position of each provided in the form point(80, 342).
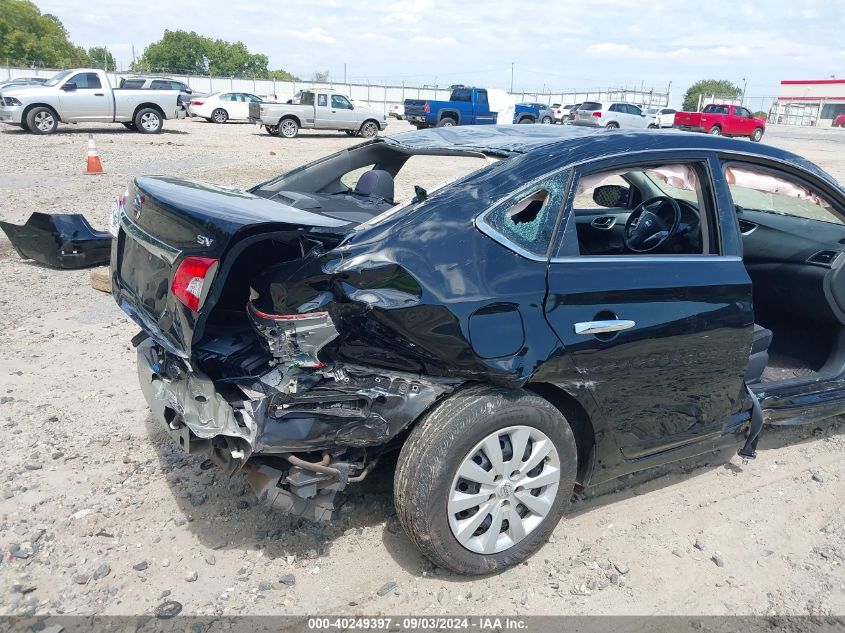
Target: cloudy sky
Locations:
point(560, 45)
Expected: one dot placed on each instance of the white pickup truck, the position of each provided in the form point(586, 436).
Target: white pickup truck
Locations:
point(85, 95)
point(318, 110)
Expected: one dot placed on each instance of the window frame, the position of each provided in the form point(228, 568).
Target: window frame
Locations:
point(516, 196)
point(348, 105)
point(72, 80)
point(567, 248)
point(783, 170)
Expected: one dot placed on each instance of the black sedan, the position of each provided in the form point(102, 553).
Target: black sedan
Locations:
point(580, 306)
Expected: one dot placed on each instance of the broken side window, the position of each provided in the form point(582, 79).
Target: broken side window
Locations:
point(528, 220)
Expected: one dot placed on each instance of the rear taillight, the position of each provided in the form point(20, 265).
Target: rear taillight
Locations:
point(427, 108)
point(190, 279)
point(597, 114)
point(197, 102)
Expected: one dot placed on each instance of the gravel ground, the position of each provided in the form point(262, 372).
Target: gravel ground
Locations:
point(101, 514)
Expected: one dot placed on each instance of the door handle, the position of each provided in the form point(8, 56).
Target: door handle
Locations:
point(602, 327)
point(99, 94)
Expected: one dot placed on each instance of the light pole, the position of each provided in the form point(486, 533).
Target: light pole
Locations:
point(511, 77)
point(744, 84)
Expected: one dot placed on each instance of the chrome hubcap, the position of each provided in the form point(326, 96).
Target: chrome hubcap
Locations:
point(503, 489)
point(289, 128)
point(44, 121)
point(149, 121)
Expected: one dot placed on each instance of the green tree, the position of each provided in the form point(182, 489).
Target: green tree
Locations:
point(30, 38)
point(191, 53)
point(102, 58)
point(280, 75)
point(706, 87)
point(176, 51)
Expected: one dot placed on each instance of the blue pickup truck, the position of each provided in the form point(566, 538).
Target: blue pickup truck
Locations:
point(466, 106)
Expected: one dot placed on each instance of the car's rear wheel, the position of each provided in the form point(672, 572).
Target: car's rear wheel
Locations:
point(612, 126)
point(446, 121)
point(148, 121)
point(42, 120)
point(756, 135)
point(484, 478)
point(547, 120)
point(220, 115)
point(369, 129)
point(652, 126)
point(289, 128)
point(716, 130)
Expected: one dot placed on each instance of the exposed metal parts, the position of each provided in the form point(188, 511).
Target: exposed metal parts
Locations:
point(294, 339)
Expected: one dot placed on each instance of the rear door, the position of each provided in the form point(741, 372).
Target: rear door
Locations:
point(662, 338)
point(90, 101)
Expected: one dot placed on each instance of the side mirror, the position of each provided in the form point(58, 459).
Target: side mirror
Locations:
point(69, 86)
point(611, 196)
point(351, 106)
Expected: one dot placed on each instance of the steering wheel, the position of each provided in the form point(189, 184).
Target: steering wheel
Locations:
point(645, 231)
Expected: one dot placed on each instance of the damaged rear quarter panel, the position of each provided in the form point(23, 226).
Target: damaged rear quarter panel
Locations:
point(402, 292)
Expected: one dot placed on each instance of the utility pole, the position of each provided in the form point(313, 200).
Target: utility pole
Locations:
point(511, 77)
point(133, 56)
point(344, 72)
point(744, 84)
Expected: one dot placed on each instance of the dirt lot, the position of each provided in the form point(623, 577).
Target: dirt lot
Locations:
point(101, 514)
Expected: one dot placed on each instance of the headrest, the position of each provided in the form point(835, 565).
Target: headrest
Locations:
point(375, 182)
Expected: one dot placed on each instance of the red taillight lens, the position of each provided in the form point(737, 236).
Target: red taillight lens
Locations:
point(427, 108)
point(597, 115)
point(195, 102)
point(189, 280)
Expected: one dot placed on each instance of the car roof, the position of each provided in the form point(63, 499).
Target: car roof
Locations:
point(571, 144)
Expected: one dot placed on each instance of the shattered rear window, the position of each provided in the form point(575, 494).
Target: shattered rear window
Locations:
point(528, 220)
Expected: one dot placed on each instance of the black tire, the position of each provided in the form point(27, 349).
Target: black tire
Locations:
point(350, 132)
point(369, 129)
point(42, 120)
point(439, 444)
point(612, 126)
point(715, 131)
point(546, 120)
point(525, 120)
point(148, 121)
point(129, 125)
point(219, 115)
point(288, 128)
point(272, 130)
point(652, 126)
point(756, 135)
point(446, 121)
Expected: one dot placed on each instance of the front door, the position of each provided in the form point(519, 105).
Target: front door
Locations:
point(659, 323)
point(89, 101)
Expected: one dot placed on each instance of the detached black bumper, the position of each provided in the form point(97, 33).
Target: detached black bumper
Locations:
point(64, 240)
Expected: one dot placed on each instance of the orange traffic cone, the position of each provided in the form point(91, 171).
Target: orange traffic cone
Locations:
point(94, 164)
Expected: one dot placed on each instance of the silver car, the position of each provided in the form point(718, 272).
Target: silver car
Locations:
point(546, 114)
point(611, 114)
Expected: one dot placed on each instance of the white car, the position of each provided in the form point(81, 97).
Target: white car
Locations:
point(397, 110)
point(610, 114)
point(661, 117)
point(223, 106)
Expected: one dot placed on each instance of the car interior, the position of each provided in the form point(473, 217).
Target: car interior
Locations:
point(366, 181)
point(793, 243)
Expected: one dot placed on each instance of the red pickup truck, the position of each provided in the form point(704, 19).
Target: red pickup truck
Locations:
point(839, 121)
point(730, 120)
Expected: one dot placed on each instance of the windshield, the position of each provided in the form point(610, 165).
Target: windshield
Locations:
point(652, 111)
point(57, 78)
